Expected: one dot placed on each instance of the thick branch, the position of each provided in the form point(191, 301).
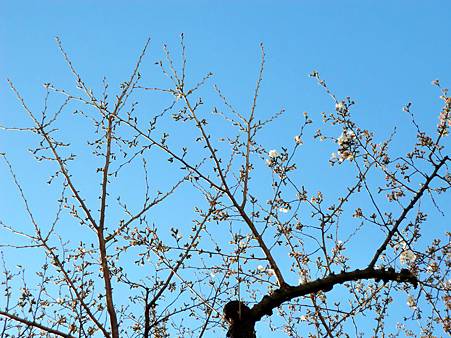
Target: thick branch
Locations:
point(35, 324)
point(282, 295)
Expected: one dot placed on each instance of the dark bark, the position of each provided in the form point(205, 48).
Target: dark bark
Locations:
point(242, 319)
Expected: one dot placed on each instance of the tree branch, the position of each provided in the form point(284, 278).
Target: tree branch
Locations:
point(35, 324)
point(406, 211)
point(281, 295)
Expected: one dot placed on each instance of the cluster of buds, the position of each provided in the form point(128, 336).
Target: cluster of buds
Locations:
point(346, 141)
point(341, 107)
point(395, 194)
point(273, 156)
point(339, 246)
point(280, 204)
point(411, 302)
point(298, 140)
point(445, 118)
point(262, 269)
point(337, 254)
point(220, 215)
point(318, 198)
point(276, 162)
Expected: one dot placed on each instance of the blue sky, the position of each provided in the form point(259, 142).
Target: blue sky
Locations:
point(381, 53)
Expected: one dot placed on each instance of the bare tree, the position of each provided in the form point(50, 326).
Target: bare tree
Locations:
point(259, 246)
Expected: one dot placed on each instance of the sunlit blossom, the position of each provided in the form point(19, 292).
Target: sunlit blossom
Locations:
point(407, 257)
point(340, 106)
point(298, 140)
point(270, 272)
point(273, 153)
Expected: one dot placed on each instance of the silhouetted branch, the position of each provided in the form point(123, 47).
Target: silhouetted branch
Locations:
point(35, 324)
point(282, 295)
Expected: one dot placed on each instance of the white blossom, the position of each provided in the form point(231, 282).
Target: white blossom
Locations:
point(270, 272)
point(340, 106)
point(342, 139)
point(345, 137)
point(273, 153)
point(407, 257)
point(298, 140)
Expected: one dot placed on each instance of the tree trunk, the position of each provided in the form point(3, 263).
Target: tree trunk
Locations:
point(240, 319)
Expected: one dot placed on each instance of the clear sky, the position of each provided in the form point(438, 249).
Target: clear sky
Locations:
point(381, 53)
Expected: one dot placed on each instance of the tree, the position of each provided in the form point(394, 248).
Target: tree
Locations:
point(260, 244)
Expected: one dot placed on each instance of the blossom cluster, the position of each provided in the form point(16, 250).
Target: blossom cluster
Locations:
point(262, 269)
point(276, 162)
point(407, 256)
point(346, 142)
point(280, 204)
point(341, 107)
point(445, 118)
